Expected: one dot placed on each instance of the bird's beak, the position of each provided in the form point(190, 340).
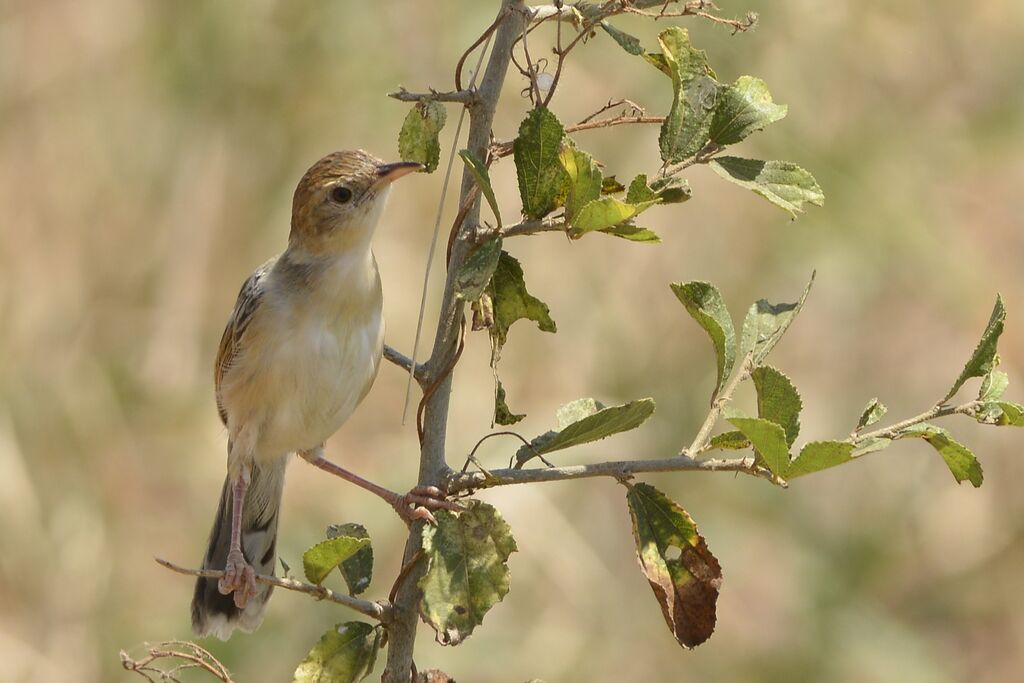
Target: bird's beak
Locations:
point(387, 173)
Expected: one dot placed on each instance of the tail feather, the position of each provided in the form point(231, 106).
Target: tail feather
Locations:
point(212, 612)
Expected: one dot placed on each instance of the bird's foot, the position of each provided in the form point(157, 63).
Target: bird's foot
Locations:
point(239, 578)
point(420, 501)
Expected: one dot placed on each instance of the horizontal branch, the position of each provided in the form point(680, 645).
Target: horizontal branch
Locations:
point(401, 360)
point(619, 469)
point(532, 227)
point(939, 410)
point(375, 610)
point(503, 149)
point(466, 97)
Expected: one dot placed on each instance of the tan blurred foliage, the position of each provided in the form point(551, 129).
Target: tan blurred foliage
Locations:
point(148, 151)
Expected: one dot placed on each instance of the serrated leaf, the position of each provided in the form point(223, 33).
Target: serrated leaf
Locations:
point(502, 415)
point(872, 413)
point(513, 302)
point(820, 455)
point(480, 174)
point(733, 441)
point(358, 569)
point(610, 185)
point(784, 184)
point(704, 303)
point(418, 139)
point(686, 586)
point(630, 44)
point(768, 440)
point(345, 654)
point(321, 559)
point(959, 459)
point(476, 271)
point(983, 360)
point(685, 130)
point(584, 421)
point(667, 190)
point(765, 324)
point(601, 214)
point(778, 400)
point(872, 445)
point(541, 177)
point(633, 233)
point(743, 108)
point(585, 180)
point(467, 572)
point(993, 386)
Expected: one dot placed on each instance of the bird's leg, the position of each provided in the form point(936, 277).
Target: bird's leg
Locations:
point(417, 504)
point(239, 576)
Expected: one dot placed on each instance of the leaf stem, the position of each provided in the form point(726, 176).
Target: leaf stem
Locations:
point(381, 611)
point(938, 410)
point(700, 441)
point(466, 97)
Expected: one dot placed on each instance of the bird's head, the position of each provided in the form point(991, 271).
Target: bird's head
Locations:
point(339, 200)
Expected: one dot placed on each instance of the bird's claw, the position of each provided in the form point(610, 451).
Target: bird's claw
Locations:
point(419, 503)
point(239, 578)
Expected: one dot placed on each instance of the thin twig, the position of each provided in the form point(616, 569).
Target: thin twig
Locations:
point(619, 469)
point(700, 441)
point(375, 610)
point(401, 360)
point(934, 412)
point(634, 107)
point(530, 227)
point(466, 97)
point(504, 148)
point(187, 655)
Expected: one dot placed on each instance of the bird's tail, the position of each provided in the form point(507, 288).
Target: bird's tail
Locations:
point(212, 612)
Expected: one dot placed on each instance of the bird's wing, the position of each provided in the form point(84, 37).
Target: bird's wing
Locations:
point(249, 299)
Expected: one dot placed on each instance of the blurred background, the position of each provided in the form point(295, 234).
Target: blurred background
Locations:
point(148, 152)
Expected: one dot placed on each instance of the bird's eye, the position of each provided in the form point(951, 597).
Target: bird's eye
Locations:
point(341, 194)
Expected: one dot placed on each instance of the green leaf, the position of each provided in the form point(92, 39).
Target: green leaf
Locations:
point(476, 271)
point(502, 415)
point(704, 303)
point(321, 559)
point(743, 108)
point(820, 455)
point(959, 459)
point(610, 185)
point(733, 441)
point(585, 420)
point(768, 439)
point(872, 445)
point(685, 130)
point(766, 323)
point(778, 400)
point(483, 180)
point(418, 141)
point(993, 386)
point(600, 214)
point(358, 569)
point(467, 572)
point(873, 412)
point(983, 360)
point(585, 180)
point(784, 184)
point(629, 43)
point(1012, 414)
point(633, 233)
point(541, 177)
point(345, 654)
point(512, 302)
point(667, 190)
point(682, 572)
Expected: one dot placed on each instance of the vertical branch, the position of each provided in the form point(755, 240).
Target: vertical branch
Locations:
point(433, 467)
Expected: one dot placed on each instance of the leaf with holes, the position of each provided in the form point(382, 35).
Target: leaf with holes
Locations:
point(321, 559)
point(345, 654)
point(475, 273)
point(479, 172)
point(584, 421)
point(704, 303)
point(784, 184)
point(743, 108)
point(778, 400)
point(984, 358)
point(467, 572)
point(418, 139)
point(766, 323)
point(358, 569)
point(542, 180)
point(682, 572)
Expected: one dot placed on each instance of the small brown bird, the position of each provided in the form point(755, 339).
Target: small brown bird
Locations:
point(300, 351)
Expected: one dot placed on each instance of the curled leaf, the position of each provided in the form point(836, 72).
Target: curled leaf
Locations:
point(358, 569)
point(983, 360)
point(704, 303)
point(418, 139)
point(321, 559)
point(784, 184)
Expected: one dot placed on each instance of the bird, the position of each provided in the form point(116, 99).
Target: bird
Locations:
point(299, 352)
